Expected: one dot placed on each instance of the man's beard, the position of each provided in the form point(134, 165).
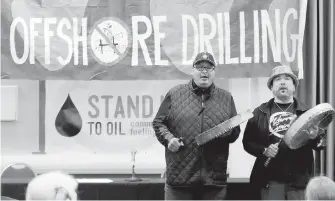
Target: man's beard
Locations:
point(285, 96)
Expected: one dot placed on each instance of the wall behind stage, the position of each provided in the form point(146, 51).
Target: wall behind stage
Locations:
point(21, 136)
point(86, 155)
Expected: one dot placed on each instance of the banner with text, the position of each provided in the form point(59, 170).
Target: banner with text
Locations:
point(150, 39)
point(106, 120)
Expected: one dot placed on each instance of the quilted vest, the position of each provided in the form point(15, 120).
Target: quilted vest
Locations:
point(193, 112)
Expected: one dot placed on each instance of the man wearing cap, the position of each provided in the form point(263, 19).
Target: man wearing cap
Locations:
point(288, 172)
point(192, 171)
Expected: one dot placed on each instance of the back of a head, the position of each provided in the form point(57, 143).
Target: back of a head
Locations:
point(320, 188)
point(52, 186)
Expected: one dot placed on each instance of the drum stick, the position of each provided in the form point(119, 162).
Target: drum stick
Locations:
point(269, 158)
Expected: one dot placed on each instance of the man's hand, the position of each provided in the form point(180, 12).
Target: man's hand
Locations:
point(271, 151)
point(174, 144)
point(313, 132)
point(322, 142)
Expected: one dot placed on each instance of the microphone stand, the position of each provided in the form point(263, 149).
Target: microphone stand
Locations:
point(133, 177)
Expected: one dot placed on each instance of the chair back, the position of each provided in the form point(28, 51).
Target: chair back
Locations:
point(17, 173)
point(7, 198)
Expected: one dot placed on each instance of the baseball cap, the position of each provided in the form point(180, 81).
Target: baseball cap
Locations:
point(204, 56)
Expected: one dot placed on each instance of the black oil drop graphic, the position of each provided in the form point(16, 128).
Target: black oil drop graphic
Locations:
point(68, 122)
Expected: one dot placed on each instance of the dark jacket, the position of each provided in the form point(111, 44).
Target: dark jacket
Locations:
point(186, 112)
point(294, 167)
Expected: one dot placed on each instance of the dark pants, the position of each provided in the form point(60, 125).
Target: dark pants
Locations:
point(195, 193)
point(280, 191)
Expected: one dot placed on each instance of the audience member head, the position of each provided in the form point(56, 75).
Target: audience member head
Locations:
point(320, 188)
point(52, 186)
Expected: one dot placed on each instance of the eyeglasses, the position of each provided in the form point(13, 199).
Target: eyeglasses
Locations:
point(202, 68)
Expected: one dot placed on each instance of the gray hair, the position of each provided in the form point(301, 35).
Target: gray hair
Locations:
point(52, 186)
point(320, 188)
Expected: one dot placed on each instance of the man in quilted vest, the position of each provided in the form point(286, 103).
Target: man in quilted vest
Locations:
point(192, 171)
point(288, 172)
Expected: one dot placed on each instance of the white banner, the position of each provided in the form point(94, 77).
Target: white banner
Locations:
point(108, 119)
